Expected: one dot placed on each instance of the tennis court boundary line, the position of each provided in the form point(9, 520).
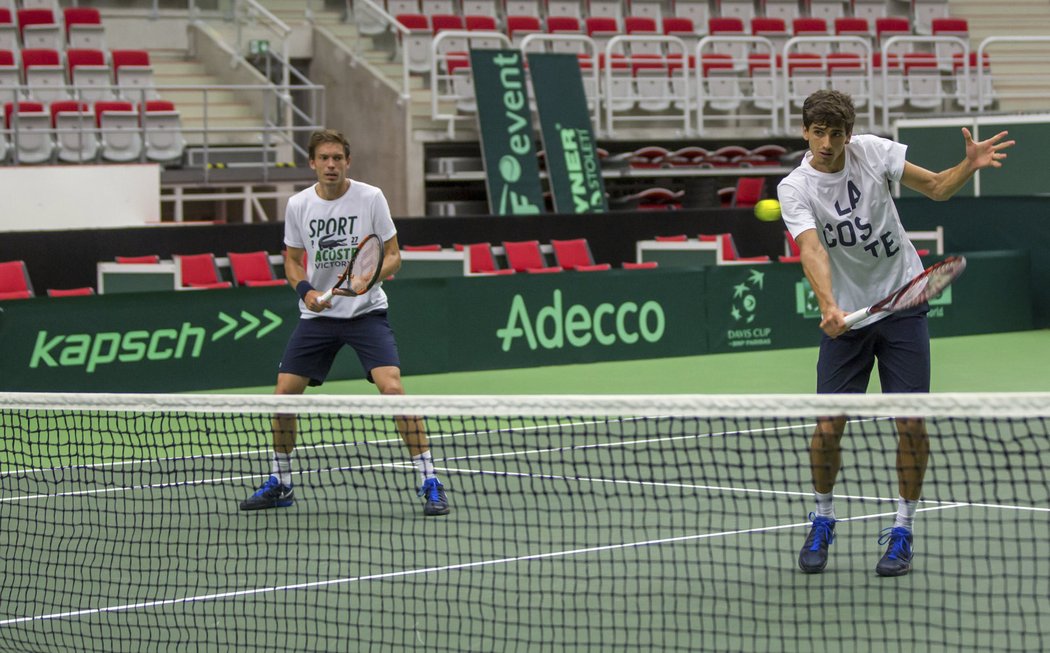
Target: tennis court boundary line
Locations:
point(333, 445)
point(406, 573)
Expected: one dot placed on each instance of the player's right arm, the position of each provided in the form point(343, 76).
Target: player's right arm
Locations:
point(817, 267)
point(295, 272)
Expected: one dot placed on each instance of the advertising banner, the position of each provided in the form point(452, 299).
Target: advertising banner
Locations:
point(573, 169)
point(508, 149)
point(234, 338)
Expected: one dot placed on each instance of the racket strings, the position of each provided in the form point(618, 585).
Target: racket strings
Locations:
point(366, 263)
point(929, 285)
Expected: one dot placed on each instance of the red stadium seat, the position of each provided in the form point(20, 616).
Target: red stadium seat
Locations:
point(253, 269)
point(14, 281)
point(526, 256)
point(576, 255)
point(199, 271)
point(148, 258)
point(70, 292)
point(482, 260)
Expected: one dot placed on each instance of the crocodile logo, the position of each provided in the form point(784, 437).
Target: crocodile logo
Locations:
point(331, 241)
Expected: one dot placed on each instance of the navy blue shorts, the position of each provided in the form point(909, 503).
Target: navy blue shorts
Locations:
point(900, 343)
point(315, 342)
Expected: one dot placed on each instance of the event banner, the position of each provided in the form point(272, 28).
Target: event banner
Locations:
point(508, 149)
point(573, 169)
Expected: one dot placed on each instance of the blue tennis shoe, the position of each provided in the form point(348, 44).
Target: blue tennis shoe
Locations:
point(434, 494)
point(272, 494)
point(897, 559)
point(814, 555)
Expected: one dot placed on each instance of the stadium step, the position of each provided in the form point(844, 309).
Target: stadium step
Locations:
point(224, 109)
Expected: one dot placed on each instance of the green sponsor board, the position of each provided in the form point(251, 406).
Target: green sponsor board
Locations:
point(512, 173)
point(773, 306)
point(501, 322)
point(146, 341)
point(179, 341)
point(753, 307)
point(155, 342)
point(573, 169)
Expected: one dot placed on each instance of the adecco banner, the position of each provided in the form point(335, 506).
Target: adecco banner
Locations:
point(512, 174)
point(556, 319)
point(573, 169)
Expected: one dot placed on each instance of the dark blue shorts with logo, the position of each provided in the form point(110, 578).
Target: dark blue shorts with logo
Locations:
point(315, 342)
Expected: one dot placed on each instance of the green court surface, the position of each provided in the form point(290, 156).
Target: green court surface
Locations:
point(123, 533)
point(1006, 362)
point(566, 534)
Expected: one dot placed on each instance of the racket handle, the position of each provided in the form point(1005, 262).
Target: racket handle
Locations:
point(325, 296)
point(857, 316)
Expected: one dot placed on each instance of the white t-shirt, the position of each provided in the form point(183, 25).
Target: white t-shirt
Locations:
point(856, 219)
point(329, 230)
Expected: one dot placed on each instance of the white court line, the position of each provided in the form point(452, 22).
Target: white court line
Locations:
point(402, 465)
point(934, 504)
point(619, 443)
point(316, 447)
point(201, 481)
point(413, 572)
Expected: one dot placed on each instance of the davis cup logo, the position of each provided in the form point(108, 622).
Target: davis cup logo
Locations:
point(744, 310)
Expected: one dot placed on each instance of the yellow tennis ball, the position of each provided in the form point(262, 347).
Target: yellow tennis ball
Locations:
point(767, 210)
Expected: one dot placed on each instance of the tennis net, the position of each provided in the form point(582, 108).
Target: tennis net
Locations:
point(577, 523)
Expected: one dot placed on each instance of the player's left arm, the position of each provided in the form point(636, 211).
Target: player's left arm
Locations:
point(942, 185)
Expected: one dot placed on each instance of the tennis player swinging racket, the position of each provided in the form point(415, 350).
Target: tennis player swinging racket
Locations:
point(854, 248)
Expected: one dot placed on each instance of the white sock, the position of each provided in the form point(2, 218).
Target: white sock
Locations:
point(825, 507)
point(425, 464)
point(905, 513)
point(282, 467)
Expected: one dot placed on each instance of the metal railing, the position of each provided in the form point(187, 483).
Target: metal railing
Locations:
point(267, 135)
point(452, 92)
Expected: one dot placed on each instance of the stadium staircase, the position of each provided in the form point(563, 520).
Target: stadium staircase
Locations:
point(224, 109)
point(1014, 65)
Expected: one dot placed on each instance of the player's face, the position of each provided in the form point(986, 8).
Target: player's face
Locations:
point(330, 163)
point(828, 145)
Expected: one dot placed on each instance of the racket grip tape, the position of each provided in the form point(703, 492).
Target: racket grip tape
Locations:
point(856, 316)
point(325, 296)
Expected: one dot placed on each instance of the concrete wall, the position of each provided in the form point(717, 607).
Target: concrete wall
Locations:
point(370, 112)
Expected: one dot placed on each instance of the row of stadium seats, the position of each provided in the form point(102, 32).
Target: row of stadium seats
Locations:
point(15, 284)
point(49, 75)
point(649, 157)
point(39, 27)
point(196, 271)
point(77, 132)
point(422, 29)
point(921, 12)
point(530, 257)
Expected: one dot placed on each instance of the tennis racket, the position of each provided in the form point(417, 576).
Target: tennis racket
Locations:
point(926, 285)
point(362, 270)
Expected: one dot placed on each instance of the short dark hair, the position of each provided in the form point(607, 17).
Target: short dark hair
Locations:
point(328, 136)
point(829, 108)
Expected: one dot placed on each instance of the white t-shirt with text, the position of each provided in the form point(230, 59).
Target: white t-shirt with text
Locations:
point(329, 231)
point(855, 218)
